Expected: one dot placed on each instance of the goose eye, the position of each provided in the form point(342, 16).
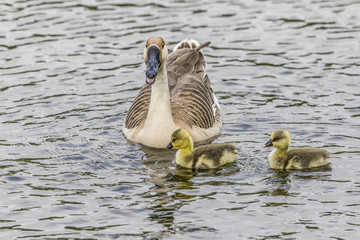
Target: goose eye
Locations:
point(173, 140)
point(276, 139)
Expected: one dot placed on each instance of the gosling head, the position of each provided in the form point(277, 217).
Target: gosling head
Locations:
point(279, 139)
point(155, 53)
point(180, 139)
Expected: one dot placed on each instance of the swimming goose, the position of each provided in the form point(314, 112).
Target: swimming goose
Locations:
point(203, 157)
point(296, 158)
point(177, 94)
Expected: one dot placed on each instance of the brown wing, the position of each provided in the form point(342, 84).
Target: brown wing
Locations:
point(191, 102)
point(186, 61)
point(139, 109)
point(190, 89)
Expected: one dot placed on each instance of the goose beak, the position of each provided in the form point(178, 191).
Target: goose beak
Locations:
point(169, 146)
point(269, 143)
point(152, 64)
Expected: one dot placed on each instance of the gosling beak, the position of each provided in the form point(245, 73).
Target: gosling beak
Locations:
point(169, 146)
point(269, 143)
point(152, 64)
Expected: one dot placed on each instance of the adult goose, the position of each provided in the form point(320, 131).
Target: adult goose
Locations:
point(177, 94)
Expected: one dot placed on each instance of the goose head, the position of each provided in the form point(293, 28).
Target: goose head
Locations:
point(155, 54)
point(279, 139)
point(180, 139)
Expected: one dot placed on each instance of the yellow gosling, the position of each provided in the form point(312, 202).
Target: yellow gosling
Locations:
point(203, 157)
point(285, 158)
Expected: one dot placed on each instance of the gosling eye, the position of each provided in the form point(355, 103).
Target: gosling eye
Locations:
point(276, 139)
point(173, 140)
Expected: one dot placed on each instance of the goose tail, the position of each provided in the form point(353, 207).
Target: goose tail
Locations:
point(192, 44)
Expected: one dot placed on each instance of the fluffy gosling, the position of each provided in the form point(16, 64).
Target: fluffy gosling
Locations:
point(285, 158)
point(203, 157)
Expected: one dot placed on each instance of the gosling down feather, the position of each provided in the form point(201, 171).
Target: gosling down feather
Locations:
point(285, 158)
point(203, 157)
point(177, 94)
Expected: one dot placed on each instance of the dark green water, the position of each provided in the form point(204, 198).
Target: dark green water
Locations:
point(70, 69)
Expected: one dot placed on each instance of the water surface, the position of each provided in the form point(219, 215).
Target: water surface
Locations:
point(69, 71)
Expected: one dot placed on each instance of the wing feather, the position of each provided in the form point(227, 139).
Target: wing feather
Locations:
point(139, 109)
point(191, 94)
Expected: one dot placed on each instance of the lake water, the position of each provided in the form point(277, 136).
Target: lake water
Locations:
point(69, 71)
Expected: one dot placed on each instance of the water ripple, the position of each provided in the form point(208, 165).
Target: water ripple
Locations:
point(70, 70)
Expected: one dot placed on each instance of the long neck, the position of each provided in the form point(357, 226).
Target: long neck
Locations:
point(159, 123)
point(160, 97)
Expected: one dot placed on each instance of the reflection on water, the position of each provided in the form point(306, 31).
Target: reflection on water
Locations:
point(70, 69)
